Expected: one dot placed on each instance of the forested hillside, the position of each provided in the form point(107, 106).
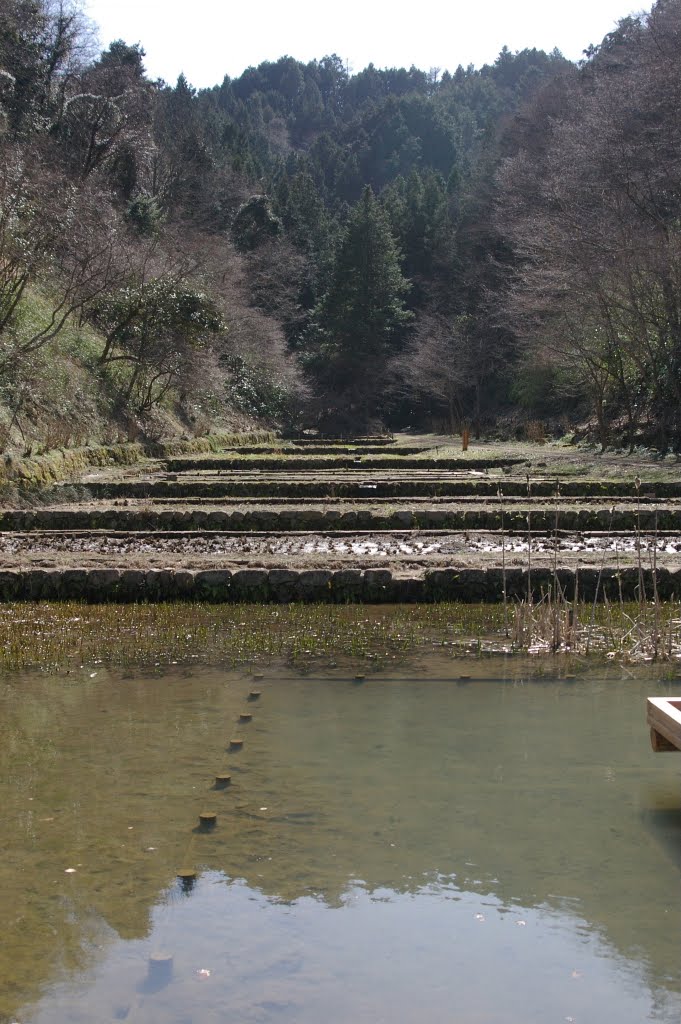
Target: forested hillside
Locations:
point(311, 246)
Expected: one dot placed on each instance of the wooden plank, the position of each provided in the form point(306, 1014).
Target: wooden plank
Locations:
point(666, 710)
point(661, 726)
point(664, 719)
point(660, 743)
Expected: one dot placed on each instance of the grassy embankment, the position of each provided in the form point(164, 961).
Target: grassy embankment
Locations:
point(61, 409)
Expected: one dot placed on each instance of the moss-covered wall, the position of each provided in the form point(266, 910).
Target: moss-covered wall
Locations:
point(67, 464)
point(284, 487)
point(285, 463)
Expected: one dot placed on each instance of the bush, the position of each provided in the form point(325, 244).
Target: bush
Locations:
point(256, 392)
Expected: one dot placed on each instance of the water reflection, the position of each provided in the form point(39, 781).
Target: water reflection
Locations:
point(437, 956)
point(400, 850)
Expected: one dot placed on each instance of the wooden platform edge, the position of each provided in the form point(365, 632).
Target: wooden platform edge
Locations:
point(664, 719)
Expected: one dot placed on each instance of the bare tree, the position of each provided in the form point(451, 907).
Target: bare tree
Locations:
point(50, 227)
point(438, 369)
point(594, 213)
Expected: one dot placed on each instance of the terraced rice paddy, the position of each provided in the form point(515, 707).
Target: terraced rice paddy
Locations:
point(410, 508)
point(408, 547)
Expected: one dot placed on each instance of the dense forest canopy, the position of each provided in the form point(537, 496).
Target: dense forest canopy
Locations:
point(317, 247)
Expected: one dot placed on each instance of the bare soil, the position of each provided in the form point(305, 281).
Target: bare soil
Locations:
point(403, 552)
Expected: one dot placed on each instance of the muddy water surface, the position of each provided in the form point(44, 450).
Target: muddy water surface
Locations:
point(463, 844)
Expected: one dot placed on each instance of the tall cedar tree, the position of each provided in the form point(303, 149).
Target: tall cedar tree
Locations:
point(362, 319)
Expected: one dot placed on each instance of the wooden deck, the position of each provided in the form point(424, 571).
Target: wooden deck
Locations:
point(664, 719)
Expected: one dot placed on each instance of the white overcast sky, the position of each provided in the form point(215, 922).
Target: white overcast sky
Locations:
point(207, 39)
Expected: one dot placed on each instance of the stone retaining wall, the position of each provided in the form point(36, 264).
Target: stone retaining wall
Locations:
point(324, 439)
point(286, 463)
point(64, 464)
point(280, 451)
point(332, 520)
point(376, 586)
point(397, 489)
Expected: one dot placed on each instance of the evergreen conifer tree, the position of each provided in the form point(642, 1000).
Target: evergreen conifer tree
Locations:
point(361, 320)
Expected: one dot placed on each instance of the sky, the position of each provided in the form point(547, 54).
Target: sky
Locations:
point(208, 39)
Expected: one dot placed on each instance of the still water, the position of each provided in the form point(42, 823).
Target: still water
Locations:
point(499, 849)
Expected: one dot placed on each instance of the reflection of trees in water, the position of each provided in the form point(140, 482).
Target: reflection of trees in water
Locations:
point(492, 788)
point(81, 760)
point(515, 791)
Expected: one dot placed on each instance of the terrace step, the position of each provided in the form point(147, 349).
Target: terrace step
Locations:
point(297, 462)
point(262, 486)
point(201, 549)
point(273, 520)
point(320, 585)
point(328, 449)
point(319, 440)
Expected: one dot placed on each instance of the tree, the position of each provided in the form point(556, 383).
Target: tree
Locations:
point(594, 214)
point(156, 329)
point(49, 228)
point(434, 372)
point(419, 218)
point(444, 371)
point(182, 166)
point(42, 44)
point(361, 320)
point(105, 119)
point(254, 224)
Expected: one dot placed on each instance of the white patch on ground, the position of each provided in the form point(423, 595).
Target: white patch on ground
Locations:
point(377, 545)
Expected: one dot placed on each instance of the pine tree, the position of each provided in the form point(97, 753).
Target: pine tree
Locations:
point(361, 320)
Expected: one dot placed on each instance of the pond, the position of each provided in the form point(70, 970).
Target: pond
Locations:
point(468, 842)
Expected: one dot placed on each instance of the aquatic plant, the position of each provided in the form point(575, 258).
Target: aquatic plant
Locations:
point(55, 637)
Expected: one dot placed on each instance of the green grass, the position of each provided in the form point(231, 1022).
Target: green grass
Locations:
point(69, 400)
point(64, 403)
point(55, 637)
